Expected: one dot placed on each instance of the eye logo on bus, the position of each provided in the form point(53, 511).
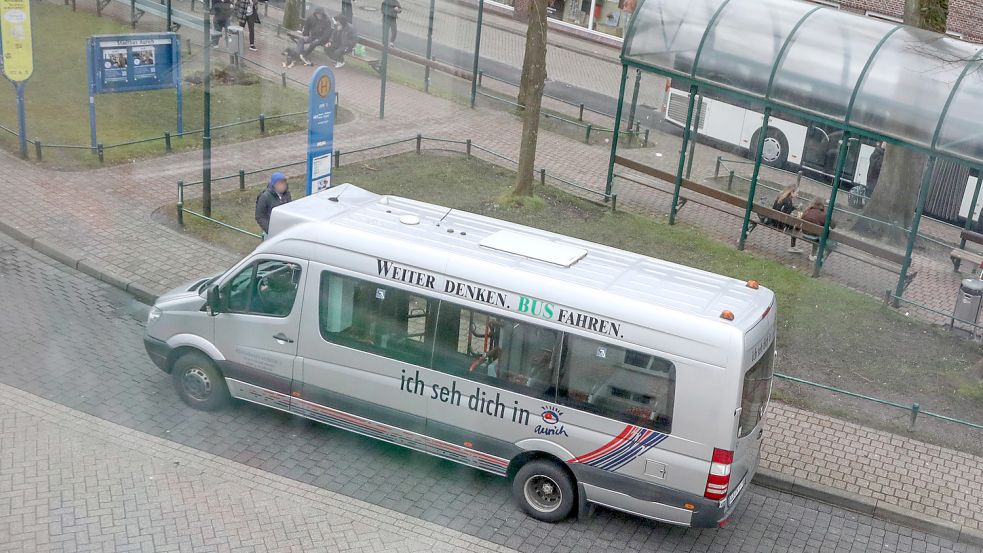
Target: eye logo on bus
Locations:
point(551, 415)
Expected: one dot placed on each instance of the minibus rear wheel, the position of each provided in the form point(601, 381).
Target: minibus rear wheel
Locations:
point(199, 383)
point(544, 490)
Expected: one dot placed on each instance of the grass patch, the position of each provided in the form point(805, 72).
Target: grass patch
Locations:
point(827, 333)
point(57, 99)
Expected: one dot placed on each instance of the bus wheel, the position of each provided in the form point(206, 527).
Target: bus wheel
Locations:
point(199, 383)
point(774, 152)
point(544, 491)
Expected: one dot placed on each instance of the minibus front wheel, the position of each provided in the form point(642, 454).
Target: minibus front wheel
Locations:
point(544, 490)
point(199, 384)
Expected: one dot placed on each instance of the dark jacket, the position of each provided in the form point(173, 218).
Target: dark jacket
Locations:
point(269, 199)
point(391, 8)
point(242, 6)
point(344, 37)
point(222, 9)
point(318, 26)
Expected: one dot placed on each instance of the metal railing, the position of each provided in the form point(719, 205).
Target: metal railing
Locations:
point(468, 149)
point(914, 409)
point(722, 164)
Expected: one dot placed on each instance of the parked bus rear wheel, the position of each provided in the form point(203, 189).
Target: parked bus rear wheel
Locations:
point(774, 152)
point(199, 384)
point(544, 490)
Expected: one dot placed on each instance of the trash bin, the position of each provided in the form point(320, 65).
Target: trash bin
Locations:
point(234, 38)
point(968, 301)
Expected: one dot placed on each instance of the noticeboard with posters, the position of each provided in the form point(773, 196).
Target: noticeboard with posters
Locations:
point(126, 63)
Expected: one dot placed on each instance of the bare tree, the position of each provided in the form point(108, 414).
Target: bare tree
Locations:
point(531, 87)
point(901, 173)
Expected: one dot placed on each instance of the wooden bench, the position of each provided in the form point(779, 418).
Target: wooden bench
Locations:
point(797, 227)
point(958, 255)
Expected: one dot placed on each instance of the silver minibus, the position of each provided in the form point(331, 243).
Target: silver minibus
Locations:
point(586, 374)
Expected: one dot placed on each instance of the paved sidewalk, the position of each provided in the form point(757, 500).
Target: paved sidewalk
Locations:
point(104, 218)
point(73, 482)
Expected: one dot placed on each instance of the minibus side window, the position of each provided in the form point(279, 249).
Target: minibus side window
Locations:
point(496, 350)
point(376, 318)
point(266, 288)
point(757, 388)
point(618, 383)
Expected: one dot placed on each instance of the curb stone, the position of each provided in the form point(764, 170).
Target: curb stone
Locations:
point(73, 259)
point(880, 510)
point(764, 477)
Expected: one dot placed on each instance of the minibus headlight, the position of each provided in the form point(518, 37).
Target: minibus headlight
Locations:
point(154, 314)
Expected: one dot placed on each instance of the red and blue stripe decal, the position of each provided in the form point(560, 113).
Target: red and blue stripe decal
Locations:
point(627, 446)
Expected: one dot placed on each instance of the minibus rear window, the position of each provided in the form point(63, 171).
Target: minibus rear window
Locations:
point(757, 389)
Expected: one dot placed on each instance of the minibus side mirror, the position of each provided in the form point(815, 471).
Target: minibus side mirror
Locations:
point(212, 300)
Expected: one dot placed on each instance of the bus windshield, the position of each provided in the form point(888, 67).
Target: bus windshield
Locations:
point(757, 389)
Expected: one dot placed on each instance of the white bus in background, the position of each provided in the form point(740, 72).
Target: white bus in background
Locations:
point(796, 144)
point(588, 375)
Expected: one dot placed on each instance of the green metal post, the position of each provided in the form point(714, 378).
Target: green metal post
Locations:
point(180, 202)
point(692, 144)
point(384, 63)
point(754, 178)
point(242, 179)
point(841, 155)
point(477, 52)
point(913, 233)
point(206, 134)
point(693, 91)
point(167, 141)
point(634, 99)
point(170, 25)
point(617, 127)
point(426, 68)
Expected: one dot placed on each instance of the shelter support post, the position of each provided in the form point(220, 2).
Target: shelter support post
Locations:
point(693, 91)
point(759, 148)
point(692, 143)
point(614, 135)
point(841, 155)
point(913, 233)
point(477, 52)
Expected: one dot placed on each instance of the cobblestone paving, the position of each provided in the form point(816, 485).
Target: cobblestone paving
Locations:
point(106, 216)
point(77, 342)
point(73, 482)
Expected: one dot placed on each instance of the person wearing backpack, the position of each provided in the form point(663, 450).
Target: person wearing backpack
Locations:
point(275, 194)
point(248, 13)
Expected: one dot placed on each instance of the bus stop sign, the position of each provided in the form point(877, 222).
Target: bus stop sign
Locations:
point(320, 129)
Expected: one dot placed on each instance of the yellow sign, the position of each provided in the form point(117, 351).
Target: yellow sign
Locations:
point(15, 26)
point(323, 85)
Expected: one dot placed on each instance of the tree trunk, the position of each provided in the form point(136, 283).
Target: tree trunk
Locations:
point(901, 173)
point(291, 15)
point(531, 95)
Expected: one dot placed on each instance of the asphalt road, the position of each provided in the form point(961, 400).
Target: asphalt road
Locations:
point(76, 341)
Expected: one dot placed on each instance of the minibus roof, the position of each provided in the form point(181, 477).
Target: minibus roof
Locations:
point(432, 237)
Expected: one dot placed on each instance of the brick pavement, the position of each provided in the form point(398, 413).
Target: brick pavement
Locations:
point(106, 215)
point(77, 345)
point(70, 481)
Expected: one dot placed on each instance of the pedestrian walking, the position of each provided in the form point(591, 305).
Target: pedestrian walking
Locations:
point(274, 195)
point(344, 37)
point(391, 10)
point(221, 15)
point(248, 13)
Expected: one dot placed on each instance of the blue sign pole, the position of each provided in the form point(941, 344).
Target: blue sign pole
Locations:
point(320, 129)
point(177, 79)
point(89, 53)
point(21, 118)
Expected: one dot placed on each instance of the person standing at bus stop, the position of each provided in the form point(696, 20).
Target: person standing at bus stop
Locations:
point(274, 195)
point(222, 13)
point(248, 14)
point(390, 11)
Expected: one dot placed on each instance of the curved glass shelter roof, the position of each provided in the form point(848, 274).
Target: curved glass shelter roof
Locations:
point(893, 81)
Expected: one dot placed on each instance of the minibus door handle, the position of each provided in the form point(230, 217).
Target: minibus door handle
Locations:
point(281, 337)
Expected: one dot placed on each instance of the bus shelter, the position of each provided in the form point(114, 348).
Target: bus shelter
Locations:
point(868, 79)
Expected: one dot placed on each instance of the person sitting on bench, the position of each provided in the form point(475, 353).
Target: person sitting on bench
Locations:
point(816, 214)
point(316, 32)
point(785, 202)
point(344, 37)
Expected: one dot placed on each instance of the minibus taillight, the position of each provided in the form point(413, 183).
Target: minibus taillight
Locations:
point(719, 478)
